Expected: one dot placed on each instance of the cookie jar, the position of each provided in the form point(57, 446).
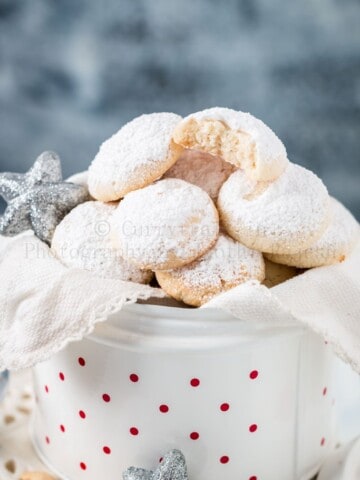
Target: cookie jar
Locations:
point(243, 401)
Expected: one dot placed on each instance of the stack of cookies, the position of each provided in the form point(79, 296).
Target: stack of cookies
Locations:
point(199, 202)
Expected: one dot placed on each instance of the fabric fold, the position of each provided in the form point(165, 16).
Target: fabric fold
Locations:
point(44, 305)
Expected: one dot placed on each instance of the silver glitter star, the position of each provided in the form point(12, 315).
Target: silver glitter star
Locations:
point(172, 467)
point(134, 473)
point(38, 199)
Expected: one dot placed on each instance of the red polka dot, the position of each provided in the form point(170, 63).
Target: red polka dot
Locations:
point(81, 361)
point(224, 407)
point(253, 428)
point(46, 389)
point(254, 477)
point(254, 374)
point(83, 466)
point(164, 408)
point(322, 443)
point(194, 382)
point(224, 459)
point(134, 377)
point(161, 459)
point(47, 440)
point(134, 431)
point(107, 450)
point(194, 436)
point(82, 414)
point(106, 397)
point(324, 391)
point(62, 428)
point(61, 376)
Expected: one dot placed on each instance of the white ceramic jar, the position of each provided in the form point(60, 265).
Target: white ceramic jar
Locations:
point(242, 401)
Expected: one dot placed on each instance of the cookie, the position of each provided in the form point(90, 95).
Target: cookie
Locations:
point(284, 216)
point(237, 137)
point(276, 274)
point(226, 265)
point(165, 225)
point(139, 153)
point(83, 240)
point(201, 169)
point(334, 246)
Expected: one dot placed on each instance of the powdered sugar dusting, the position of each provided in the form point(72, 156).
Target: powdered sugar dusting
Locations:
point(335, 244)
point(134, 153)
point(165, 225)
point(284, 216)
point(83, 240)
point(269, 146)
point(227, 262)
point(343, 230)
point(201, 169)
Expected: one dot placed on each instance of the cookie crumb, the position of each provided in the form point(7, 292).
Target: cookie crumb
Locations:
point(10, 466)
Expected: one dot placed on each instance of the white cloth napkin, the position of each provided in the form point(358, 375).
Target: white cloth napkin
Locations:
point(326, 299)
point(44, 305)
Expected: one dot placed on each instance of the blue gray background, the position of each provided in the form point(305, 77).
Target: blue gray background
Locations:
point(73, 71)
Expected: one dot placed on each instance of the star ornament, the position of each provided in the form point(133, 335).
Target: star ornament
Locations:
point(39, 199)
point(172, 467)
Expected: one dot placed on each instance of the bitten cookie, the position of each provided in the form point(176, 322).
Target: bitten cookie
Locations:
point(139, 153)
point(201, 169)
point(225, 266)
point(237, 137)
point(165, 225)
point(276, 274)
point(283, 216)
point(83, 240)
point(335, 244)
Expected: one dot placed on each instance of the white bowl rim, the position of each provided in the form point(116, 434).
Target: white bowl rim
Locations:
point(141, 325)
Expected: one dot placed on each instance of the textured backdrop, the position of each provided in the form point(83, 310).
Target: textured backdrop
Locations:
point(73, 71)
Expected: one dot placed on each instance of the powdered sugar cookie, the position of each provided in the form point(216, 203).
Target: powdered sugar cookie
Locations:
point(335, 244)
point(276, 274)
point(284, 216)
point(226, 265)
point(139, 153)
point(165, 225)
point(83, 240)
point(237, 137)
point(201, 169)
